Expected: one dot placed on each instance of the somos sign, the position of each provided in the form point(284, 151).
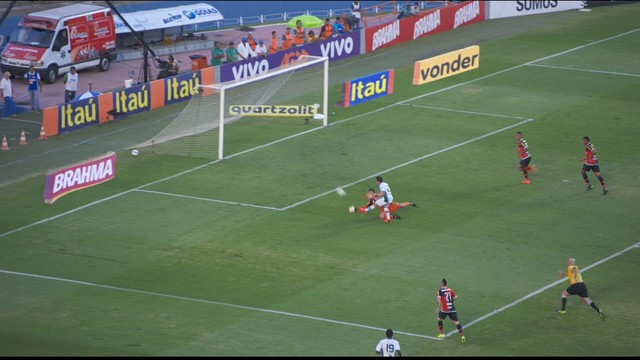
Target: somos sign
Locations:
point(446, 65)
point(501, 9)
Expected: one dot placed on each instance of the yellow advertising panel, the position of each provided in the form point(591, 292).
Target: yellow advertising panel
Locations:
point(446, 65)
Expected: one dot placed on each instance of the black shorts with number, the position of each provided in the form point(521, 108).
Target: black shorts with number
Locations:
point(579, 289)
point(594, 168)
point(443, 315)
point(525, 162)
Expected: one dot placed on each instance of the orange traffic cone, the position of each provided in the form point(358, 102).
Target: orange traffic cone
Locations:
point(5, 144)
point(43, 135)
point(23, 138)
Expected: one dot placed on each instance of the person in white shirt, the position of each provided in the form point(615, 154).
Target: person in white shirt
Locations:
point(244, 50)
point(355, 12)
point(7, 95)
point(70, 84)
point(389, 347)
point(261, 49)
point(383, 199)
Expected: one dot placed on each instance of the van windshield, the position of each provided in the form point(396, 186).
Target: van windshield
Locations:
point(32, 36)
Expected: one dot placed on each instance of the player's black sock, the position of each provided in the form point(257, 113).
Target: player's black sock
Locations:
point(586, 178)
point(601, 180)
point(440, 325)
point(564, 303)
point(593, 305)
point(526, 174)
point(459, 329)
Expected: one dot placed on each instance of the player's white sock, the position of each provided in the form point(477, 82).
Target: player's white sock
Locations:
point(387, 214)
point(370, 208)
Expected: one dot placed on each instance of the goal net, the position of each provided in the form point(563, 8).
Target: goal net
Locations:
point(284, 97)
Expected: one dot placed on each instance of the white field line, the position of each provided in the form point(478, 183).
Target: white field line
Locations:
point(207, 199)
point(412, 161)
point(530, 295)
point(177, 297)
point(284, 313)
point(585, 70)
point(319, 128)
point(466, 112)
point(21, 120)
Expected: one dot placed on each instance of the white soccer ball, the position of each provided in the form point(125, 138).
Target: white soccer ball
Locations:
point(352, 209)
point(135, 152)
point(340, 191)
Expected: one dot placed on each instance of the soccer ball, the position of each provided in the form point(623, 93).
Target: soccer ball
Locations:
point(340, 191)
point(352, 209)
point(135, 152)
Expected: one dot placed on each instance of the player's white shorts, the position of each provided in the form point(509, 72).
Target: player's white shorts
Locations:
point(381, 203)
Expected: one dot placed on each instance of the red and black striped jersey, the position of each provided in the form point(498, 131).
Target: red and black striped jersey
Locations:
point(446, 296)
point(523, 149)
point(590, 155)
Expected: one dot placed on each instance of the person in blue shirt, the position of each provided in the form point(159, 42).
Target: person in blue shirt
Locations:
point(338, 28)
point(35, 87)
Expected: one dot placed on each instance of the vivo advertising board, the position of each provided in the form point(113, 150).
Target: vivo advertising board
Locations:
point(502, 9)
point(337, 48)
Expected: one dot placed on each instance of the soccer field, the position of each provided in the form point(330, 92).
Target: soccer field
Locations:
point(257, 255)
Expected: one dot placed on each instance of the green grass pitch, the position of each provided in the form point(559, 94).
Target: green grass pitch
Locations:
point(159, 265)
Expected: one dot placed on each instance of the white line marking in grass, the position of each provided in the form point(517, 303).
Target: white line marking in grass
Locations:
point(412, 161)
point(22, 120)
point(207, 199)
point(152, 293)
point(465, 111)
point(319, 128)
point(530, 295)
point(585, 70)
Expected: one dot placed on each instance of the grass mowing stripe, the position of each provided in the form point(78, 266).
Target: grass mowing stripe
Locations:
point(206, 199)
point(585, 70)
point(466, 112)
point(530, 295)
point(309, 131)
point(152, 293)
point(413, 161)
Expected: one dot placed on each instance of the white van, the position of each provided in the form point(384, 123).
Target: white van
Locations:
point(80, 35)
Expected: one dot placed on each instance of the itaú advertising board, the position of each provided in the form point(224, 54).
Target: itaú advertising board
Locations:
point(427, 23)
point(502, 9)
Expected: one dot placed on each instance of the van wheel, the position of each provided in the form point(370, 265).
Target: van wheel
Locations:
point(104, 64)
point(52, 74)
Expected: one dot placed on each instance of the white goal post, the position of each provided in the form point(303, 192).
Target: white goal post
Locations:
point(261, 106)
point(307, 79)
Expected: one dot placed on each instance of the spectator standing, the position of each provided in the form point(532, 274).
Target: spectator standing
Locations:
point(35, 87)
point(327, 30)
point(7, 95)
point(217, 54)
point(299, 34)
point(274, 46)
point(252, 41)
point(70, 84)
point(261, 49)
point(172, 66)
point(232, 53)
point(338, 28)
point(287, 39)
point(355, 13)
point(415, 8)
point(311, 37)
point(245, 52)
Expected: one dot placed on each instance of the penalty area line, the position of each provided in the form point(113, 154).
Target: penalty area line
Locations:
point(530, 295)
point(207, 199)
point(211, 302)
point(466, 112)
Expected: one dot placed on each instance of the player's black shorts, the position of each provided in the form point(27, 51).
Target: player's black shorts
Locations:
point(579, 289)
point(443, 315)
point(594, 168)
point(525, 162)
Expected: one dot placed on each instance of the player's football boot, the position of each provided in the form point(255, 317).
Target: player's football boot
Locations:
point(440, 336)
point(605, 191)
point(463, 339)
point(589, 187)
point(526, 181)
point(601, 314)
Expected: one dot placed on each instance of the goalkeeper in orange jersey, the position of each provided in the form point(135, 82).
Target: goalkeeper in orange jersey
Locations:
point(371, 197)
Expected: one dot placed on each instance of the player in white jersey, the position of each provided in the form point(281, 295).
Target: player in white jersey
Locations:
point(383, 199)
point(388, 347)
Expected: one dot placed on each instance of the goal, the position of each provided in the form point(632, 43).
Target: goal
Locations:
point(284, 97)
